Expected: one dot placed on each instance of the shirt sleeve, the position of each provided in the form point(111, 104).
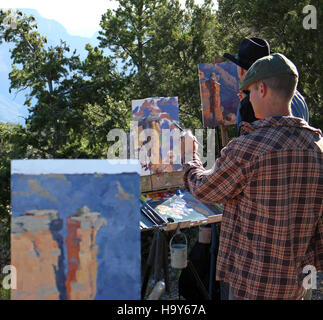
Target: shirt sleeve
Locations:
point(224, 181)
point(299, 107)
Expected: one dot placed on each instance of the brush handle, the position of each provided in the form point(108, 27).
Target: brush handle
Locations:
point(181, 129)
point(147, 208)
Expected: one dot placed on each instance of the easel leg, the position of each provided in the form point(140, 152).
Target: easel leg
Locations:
point(149, 266)
point(219, 144)
point(199, 282)
point(224, 135)
point(158, 252)
point(165, 261)
point(158, 256)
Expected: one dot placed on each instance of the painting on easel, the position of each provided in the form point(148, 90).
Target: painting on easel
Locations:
point(219, 86)
point(157, 134)
point(69, 239)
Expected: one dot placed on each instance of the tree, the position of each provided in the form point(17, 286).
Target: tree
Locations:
point(60, 90)
point(161, 44)
point(72, 105)
point(281, 24)
point(13, 145)
point(183, 39)
point(42, 73)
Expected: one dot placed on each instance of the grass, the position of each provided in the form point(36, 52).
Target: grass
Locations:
point(4, 293)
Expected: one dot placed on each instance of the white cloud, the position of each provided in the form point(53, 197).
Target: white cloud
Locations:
point(79, 17)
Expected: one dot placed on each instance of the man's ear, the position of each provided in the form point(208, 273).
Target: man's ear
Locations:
point(262, 89)
point(241, 73)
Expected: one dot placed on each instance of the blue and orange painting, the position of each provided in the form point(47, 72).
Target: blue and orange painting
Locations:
point(157, 148)
point(76, 236)
point(219, 86)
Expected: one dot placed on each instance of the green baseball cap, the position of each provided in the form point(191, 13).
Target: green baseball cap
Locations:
point(268, 66)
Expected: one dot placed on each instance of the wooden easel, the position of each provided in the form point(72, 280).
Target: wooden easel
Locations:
point(215, 107)
point(158, 254)
point(215, 102)
point(224, 129)
point(158, 261)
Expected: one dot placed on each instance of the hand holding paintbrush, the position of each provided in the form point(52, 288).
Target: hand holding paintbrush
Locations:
point(189, 144)
point(184, 131)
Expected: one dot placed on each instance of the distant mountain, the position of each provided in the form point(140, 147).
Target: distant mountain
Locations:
point(54, 32)
point(11, 111)
point(11, 105)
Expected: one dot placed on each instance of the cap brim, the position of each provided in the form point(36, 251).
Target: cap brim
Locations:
point(235, 60)
point(243, 86)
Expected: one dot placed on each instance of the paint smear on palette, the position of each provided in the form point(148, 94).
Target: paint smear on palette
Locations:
point(182, 207)
point(173, 211)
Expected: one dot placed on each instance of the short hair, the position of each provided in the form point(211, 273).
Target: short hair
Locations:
point(284, 85)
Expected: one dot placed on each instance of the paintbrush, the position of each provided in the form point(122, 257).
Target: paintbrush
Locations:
point(181, 129)
point(150, 217)
point(149, 210)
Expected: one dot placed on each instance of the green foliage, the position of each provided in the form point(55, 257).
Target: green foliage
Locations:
point(4, 293)
point(100, 120)
point(63, 88)
point(13, 145)
point(161, 45)
point(73, 104)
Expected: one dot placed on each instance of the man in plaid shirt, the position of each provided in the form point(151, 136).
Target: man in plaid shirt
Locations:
point(270, 180)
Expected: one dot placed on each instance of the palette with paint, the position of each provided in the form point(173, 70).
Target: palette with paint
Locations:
point(181, 207)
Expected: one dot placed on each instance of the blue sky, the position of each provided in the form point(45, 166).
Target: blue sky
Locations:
point(79, 17)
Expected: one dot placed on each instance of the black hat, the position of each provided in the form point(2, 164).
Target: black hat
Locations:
point(250, 50)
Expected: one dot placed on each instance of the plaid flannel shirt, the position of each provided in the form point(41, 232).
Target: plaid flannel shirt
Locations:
point(270, 180)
